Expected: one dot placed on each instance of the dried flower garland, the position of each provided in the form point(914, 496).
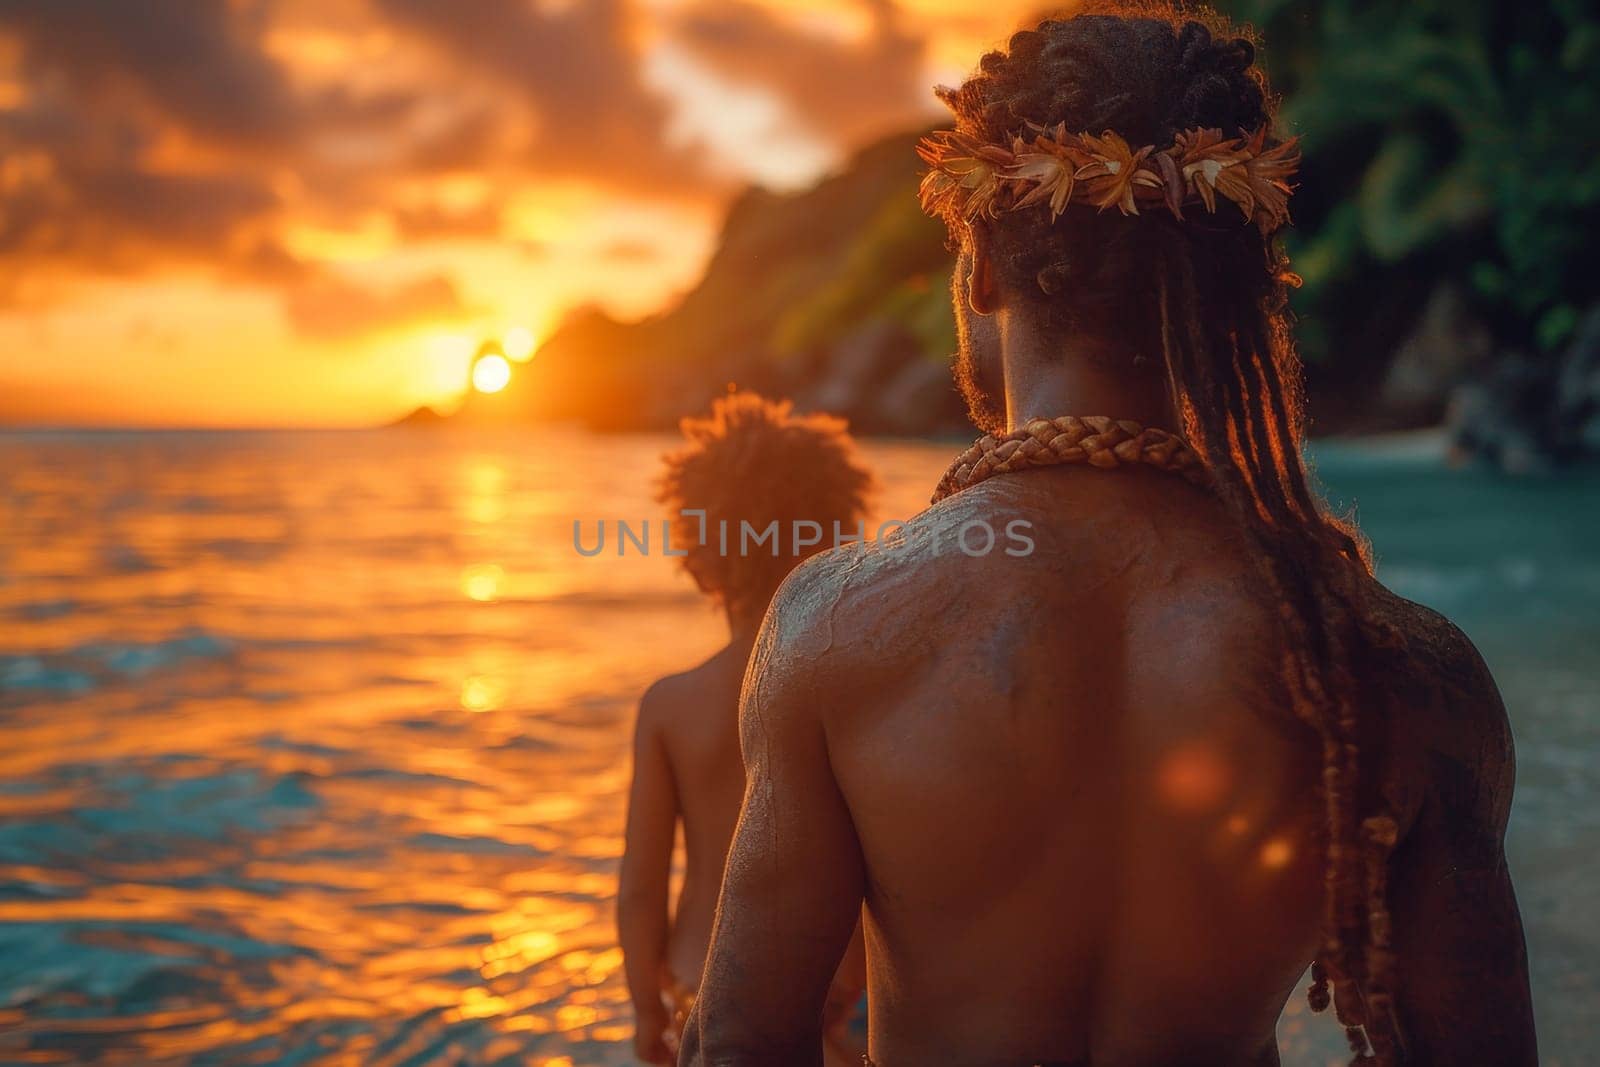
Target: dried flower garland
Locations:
point(969, 178)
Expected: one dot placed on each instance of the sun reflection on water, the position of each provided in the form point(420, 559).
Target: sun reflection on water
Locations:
point(481, 581)
point(314, 754)
point(486, 491)
point(480, 693)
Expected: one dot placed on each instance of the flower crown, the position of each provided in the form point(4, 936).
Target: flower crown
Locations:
point(967, 176)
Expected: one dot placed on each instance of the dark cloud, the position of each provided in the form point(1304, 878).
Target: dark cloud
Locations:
point(79, 192)
point(106, 86)
point(849, 90)
point(191, 210)
point(575, 67)
point(198, 62)
point(152, 134)
point(471, 140)
point(330, 308)
point(338, 107)
point(109, 85)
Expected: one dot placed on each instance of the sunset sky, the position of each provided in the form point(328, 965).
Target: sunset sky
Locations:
point(309, 212)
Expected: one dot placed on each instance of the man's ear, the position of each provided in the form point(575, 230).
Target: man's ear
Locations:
point(982, 293)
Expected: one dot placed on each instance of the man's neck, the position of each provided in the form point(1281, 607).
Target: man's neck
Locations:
point(1046, 380)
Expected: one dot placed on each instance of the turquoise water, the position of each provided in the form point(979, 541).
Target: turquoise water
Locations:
point(315, 743)
point(1515, 562)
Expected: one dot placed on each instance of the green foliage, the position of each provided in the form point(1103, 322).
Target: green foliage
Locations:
point(889, 262)
point(1447, 141)
point(1452, 136)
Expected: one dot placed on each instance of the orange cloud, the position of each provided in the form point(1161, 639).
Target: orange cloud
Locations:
point(331, 308)
point(348, 178)
point(848, 88)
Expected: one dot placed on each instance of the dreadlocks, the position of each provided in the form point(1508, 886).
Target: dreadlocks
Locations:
point(1210, 294)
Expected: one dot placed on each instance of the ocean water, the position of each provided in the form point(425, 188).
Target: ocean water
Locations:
point(313, 745)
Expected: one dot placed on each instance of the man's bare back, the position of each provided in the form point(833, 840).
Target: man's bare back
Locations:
point(1084, 824)
point(1104, 803)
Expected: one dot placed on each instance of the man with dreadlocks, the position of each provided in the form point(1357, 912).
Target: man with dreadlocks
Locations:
point(752, 461)
point(1104, 803)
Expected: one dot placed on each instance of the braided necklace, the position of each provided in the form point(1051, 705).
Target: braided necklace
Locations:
point(1093, 439)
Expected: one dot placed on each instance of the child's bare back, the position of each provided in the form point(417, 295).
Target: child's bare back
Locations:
point(751, 462)
point(687, 764)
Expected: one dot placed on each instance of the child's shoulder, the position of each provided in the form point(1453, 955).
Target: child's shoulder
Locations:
point(665, 694)
point(671, 697)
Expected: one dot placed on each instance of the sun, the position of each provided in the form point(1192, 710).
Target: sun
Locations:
point(490, 373)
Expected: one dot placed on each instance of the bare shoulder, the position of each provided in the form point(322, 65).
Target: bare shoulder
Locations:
point(1462, 987)
point(686, 694)
point(866, 604)
point(808, 638)
point(664, 697)
point(860, 617)
point(1442, 671)
point(1446, 710)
